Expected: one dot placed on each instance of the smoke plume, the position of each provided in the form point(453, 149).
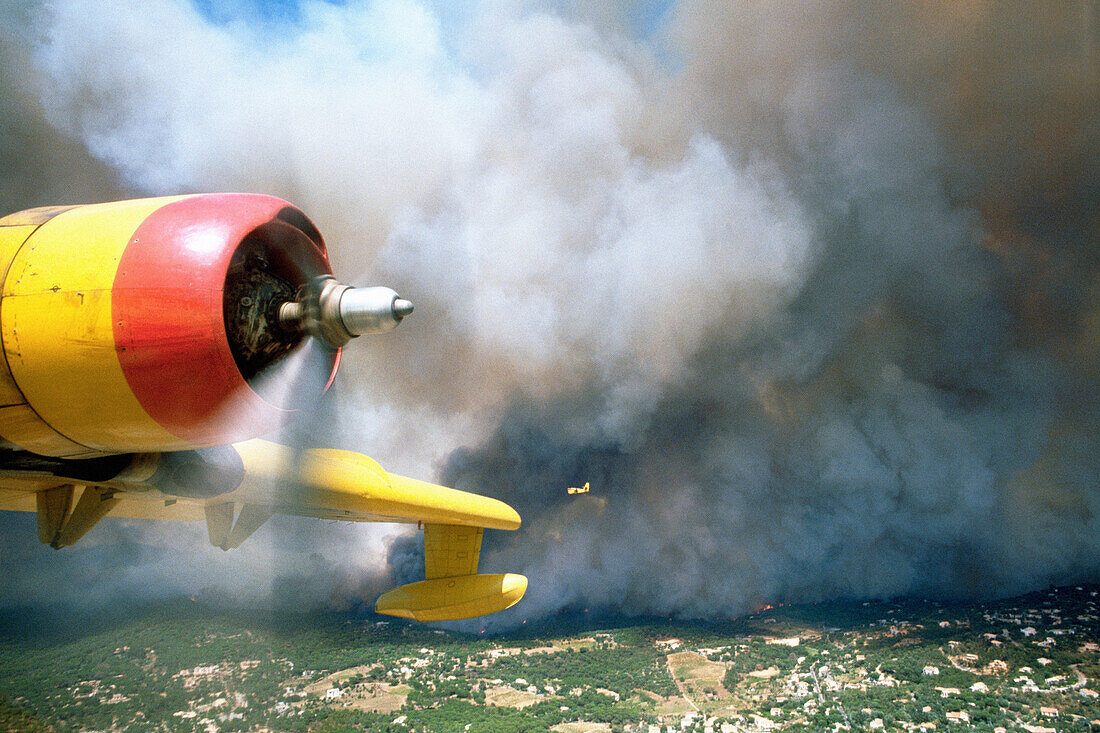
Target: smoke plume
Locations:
point(807, 291)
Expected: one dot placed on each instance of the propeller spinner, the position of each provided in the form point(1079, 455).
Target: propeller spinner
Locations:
point(337, 313)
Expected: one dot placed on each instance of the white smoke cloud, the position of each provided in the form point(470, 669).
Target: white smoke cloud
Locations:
point(517, 207)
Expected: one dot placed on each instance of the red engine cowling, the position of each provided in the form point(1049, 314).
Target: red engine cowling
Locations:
point(150, 325)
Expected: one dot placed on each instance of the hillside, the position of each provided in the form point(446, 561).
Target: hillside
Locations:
point(1030, 663)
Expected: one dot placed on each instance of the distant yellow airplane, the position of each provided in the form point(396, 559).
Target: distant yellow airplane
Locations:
point(138, 339)
point(581, 490)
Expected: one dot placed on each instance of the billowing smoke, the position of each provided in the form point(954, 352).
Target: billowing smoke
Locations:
point(807, 291)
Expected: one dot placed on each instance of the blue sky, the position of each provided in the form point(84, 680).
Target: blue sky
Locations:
point(646, 18)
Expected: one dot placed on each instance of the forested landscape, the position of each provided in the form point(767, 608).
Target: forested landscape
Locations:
point(1026, 664)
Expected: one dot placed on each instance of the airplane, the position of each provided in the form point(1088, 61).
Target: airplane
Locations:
point(139, 338)
point(575, 490)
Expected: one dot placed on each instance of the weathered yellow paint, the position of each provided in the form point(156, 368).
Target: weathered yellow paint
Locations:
point(19, 423)
point(12, 500)
point(32, 217)
point(58, 335)
point(142, 506)
point(449, 599)
point(22, 426)
point(12, 237)
point(451, 550)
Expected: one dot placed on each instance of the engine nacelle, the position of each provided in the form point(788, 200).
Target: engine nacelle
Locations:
point(142, 326)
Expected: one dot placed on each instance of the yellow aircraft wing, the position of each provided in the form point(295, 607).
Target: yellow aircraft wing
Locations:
point(322, 483)
point(339, 484)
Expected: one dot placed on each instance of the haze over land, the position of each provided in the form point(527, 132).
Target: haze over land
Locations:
point(808, 291)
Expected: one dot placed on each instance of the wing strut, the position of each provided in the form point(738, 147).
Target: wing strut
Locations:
point(227, 534)
point(453, 589)
point(57, 526)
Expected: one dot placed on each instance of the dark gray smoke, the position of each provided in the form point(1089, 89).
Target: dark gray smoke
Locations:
point(922, 417)
point(807, 291)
